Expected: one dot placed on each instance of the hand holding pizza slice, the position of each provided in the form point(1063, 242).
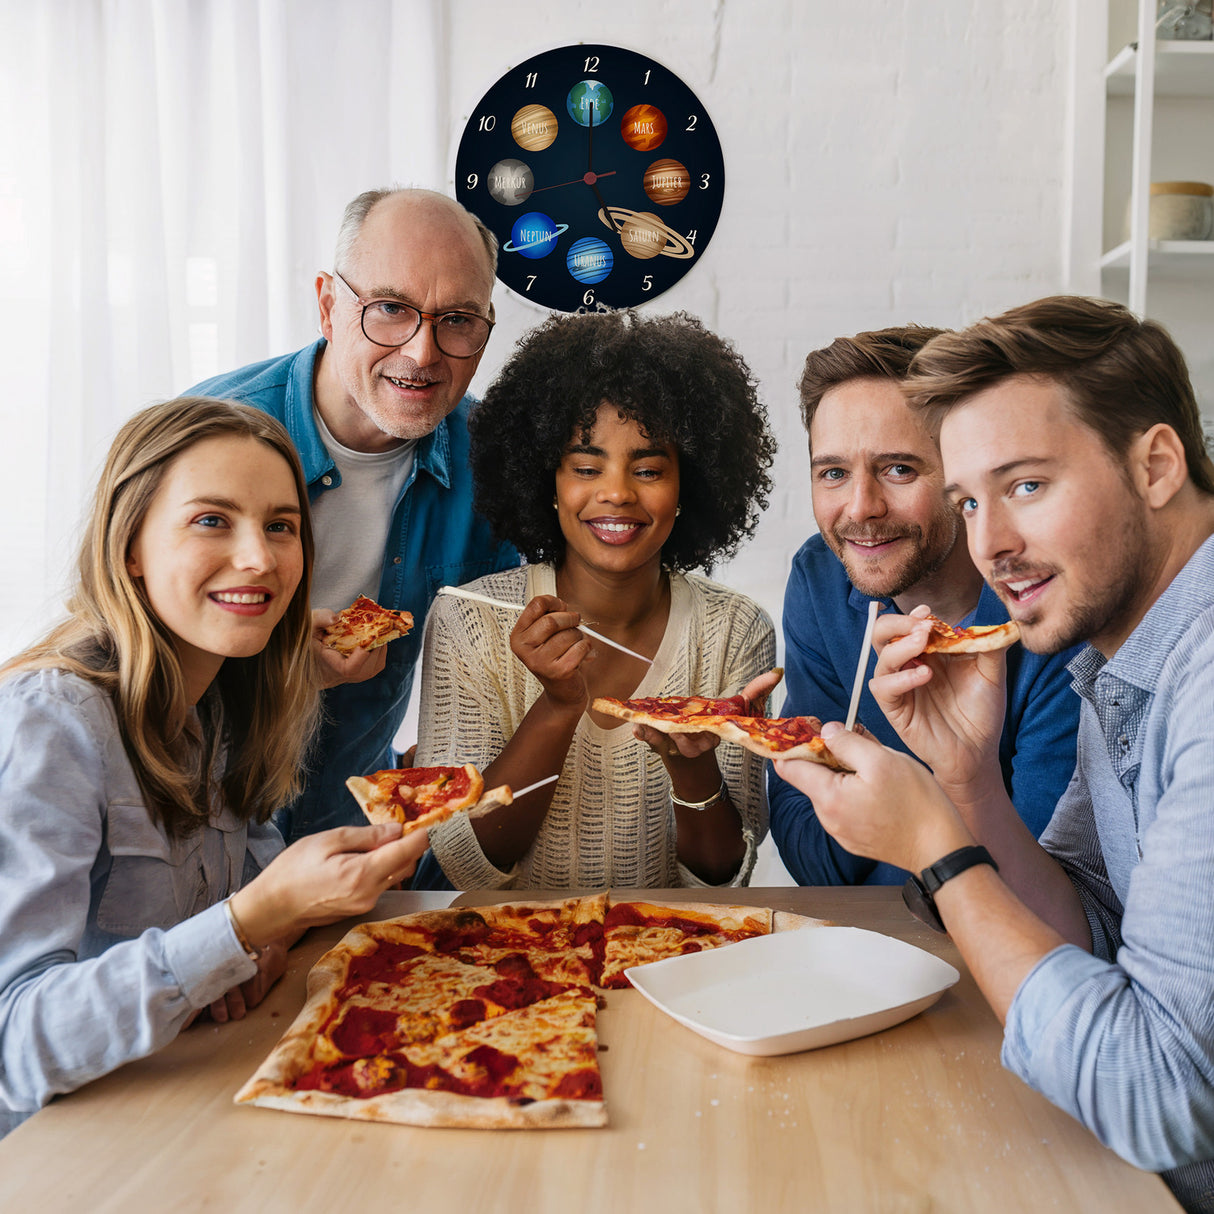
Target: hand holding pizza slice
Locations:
point(421, 797)
point(365, 625)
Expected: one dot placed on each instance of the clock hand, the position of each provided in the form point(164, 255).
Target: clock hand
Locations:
point(606, 210)
point(585, 179)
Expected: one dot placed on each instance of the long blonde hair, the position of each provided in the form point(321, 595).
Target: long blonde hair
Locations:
point(260, 712)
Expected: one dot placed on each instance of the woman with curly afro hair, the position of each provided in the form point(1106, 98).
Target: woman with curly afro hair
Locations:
point(617, 452)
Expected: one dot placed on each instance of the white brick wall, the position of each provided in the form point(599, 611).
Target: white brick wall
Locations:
point(886, 162)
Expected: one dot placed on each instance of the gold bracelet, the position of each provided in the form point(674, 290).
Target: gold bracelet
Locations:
point(719, 795)
point(253, 954)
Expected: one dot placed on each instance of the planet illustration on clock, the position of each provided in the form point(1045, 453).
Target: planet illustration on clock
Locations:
point(600, 173)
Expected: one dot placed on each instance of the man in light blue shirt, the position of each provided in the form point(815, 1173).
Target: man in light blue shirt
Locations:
point(1073, 449)
point(378, 412)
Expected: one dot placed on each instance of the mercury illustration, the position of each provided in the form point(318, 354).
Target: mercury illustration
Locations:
point(511, 182)
point(534, 128)
point(667, 182)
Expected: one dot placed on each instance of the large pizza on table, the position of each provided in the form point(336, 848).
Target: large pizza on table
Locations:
point(482, 1018)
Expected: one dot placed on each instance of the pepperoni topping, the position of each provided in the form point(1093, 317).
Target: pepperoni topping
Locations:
point(363, 1031)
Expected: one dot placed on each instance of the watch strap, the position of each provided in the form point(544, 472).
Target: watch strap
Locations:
point(955, 863)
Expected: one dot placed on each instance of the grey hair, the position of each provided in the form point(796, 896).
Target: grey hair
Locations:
point(356, 213)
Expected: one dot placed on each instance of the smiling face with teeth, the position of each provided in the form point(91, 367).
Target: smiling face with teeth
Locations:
point(1052, 519)
point(878, 496)
point(422, 249)
point(617, 491)
point(218, 553)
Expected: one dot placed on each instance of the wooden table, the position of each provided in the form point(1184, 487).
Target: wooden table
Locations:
point(919, 1117)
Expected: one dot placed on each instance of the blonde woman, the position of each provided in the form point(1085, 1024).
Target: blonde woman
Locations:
point(143, 745)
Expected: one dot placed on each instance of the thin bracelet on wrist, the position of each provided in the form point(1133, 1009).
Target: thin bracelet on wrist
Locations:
point(719, 795)
point(253, 953)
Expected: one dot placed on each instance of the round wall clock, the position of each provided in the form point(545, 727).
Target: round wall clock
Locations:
point(600, 173)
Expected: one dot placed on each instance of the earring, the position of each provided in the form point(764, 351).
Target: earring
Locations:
point(677, 511)
point(555, 505)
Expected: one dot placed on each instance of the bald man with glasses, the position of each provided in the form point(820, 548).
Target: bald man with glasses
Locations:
point(378, 409)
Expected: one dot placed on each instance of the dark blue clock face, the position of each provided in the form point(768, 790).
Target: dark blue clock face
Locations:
point(600, 173)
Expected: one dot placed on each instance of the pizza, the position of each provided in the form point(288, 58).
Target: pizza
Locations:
point(365, 625)
point(481, 1018)
point(781, 738)
point(979, 638)
point(673, 714)
point(771, 737)
point(420, 797)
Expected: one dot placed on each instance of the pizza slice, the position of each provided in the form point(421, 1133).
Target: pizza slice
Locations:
point(533, 1067)
point(674, 714)
point(366, 625)
point(978, 638)
point(781, 738)
point(636, 933)
point(420, 797)
point(556, 941)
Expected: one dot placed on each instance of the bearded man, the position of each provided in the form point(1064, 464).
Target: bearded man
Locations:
point(886, 532)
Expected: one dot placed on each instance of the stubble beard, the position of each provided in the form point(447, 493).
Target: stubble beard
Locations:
point(930, 551)
point(1111, 596)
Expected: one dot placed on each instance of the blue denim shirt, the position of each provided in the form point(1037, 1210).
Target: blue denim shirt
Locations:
point(824, 622)
point(1123, 1038)
point(111, 933)
point(436, 539)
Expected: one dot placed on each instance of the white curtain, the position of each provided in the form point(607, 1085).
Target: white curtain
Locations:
point(172, 173)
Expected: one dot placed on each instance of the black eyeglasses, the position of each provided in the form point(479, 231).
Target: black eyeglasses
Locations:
point(392, 322)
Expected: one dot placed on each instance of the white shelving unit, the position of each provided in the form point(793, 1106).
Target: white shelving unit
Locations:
point(1142, 110)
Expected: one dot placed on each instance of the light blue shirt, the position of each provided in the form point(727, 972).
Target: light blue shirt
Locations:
point(112, 933)
point(1123, 1038)
point(435, 539)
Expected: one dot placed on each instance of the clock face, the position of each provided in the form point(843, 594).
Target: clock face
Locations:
point(600, 173)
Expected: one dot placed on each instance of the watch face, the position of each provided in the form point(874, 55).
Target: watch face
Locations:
point(600, 173)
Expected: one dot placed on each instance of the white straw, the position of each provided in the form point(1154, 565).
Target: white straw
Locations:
point(522, 792)
point(873, 608)
point(598, 636)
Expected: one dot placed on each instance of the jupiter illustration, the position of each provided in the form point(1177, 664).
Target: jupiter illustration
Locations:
point(667, 182)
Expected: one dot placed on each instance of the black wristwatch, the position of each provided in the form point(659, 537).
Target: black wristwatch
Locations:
point(919, 892)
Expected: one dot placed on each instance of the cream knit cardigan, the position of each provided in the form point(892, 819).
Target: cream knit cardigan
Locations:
point(610, 821)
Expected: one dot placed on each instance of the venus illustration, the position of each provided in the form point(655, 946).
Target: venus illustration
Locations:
point(643, 127)
point(534, 128)
point(667, 182)
point(511, 182)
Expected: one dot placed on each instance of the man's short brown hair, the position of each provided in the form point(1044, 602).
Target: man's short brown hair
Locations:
point(1121, 375)
point(880, 354)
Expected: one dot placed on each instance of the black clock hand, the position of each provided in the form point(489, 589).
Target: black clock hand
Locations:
point(606, 211)
point(591, 176)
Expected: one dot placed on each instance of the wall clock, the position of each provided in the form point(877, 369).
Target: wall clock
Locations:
point(600, 173)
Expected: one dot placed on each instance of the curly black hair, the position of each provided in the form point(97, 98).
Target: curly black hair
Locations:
point(680, 383)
